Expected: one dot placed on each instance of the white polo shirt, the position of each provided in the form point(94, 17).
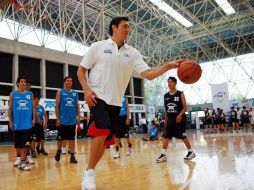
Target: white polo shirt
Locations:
point(111, 69)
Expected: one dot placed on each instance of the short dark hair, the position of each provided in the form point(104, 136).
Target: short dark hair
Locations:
point(37, 95)
point(68, 77)
point(116, 21)
point(19, 79)
point(173, 79)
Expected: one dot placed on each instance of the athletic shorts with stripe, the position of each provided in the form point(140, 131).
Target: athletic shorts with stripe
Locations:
point(105, 119)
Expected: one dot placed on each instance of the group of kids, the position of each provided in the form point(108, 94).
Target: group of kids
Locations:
point(28, 122)
point(218, 121)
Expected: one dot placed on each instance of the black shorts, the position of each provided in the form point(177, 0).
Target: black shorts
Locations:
point(234, 120)
point(245, 120)
point(22, 138)
point(105, 120)
point(174, 129)
point(38, 132)
point(208, 121)
point(122, 130)
point(66, 132)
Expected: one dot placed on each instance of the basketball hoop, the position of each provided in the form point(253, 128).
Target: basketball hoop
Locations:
point(24, 4)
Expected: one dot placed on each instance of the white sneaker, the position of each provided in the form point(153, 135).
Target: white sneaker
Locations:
point(190, 155)
point(63, 150)
point(88, 180)
point(29, 160)
point(116, 155)
point(24, 167)
point(161, 158)
point(128, 153)
point(17, 162)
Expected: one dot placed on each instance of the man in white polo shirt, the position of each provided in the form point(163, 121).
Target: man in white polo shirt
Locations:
point(111, 63)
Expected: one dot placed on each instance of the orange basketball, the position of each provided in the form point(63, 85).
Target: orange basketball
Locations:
point(189, 71)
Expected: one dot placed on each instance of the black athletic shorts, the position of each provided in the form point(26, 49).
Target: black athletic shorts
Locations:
point(174, 129)
point(105, 120)
point(22, 138)
point(234, 120)
point(245, 120)
point(38, 132)
point(122, 130)
point(66, 132)
point(208, 121)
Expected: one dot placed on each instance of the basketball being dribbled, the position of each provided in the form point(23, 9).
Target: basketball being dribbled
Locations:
point(189, 71)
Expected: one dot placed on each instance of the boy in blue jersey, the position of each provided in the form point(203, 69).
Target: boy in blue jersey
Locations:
point(122, 128)
point(67, 116)
point(41, 123)
point(21, 120)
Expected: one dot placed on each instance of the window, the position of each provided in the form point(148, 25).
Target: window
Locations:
point(73, 74)
point(137, 87)
point(6, 63)
point(51, 94)
point(30, 68)
point(5, 90)
point(54, 74)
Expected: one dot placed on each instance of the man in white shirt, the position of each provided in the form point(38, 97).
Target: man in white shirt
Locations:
point(111, 63)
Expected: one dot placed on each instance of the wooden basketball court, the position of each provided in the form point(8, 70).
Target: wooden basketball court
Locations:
point(223, 161)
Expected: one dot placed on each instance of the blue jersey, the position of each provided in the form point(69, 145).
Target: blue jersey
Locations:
point(39, 113)
point(22, 110)
point(68, 107)
point(123, 110)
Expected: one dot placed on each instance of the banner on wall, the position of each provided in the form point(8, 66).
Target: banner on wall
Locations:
point(220, 96)
point(137, 108)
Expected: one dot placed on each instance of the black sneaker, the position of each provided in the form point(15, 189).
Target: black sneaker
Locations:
point(44, 152)
point(58, 155)
point(190, 155)
point(38, 150)
point(33, 154)
point(73, 160)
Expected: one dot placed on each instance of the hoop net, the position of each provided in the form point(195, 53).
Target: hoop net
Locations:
point(24, 4)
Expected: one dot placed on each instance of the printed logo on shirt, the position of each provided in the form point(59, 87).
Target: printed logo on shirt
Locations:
point(74, 94)
point(108, 51)
point(69, 102)
point(171, 108)
point(28, 97)
point(22, 105)
point(126, 55)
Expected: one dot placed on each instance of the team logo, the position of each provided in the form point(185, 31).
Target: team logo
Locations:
point(28, 97)
point(23, 105)
point(126, 55)
point(69, 102)
point(108, 51)
point(220, 97)
point(171, 108)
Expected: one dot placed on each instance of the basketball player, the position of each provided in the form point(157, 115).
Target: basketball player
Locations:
point(215, 121)
point(175, 120)
point(245, 119)
point(222, 121)
point(41, 123)
point(234, 119)
point(111, 63)
point(208, 121)
point(122, 129)
point(251, 115)
point(67, 116)
point(28, 155)
point(21, 120)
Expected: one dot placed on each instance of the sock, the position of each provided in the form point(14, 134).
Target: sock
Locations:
point(117, 148)
point(129, 145)
point(163, 151)
point(190, 150)
point(72, 155)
